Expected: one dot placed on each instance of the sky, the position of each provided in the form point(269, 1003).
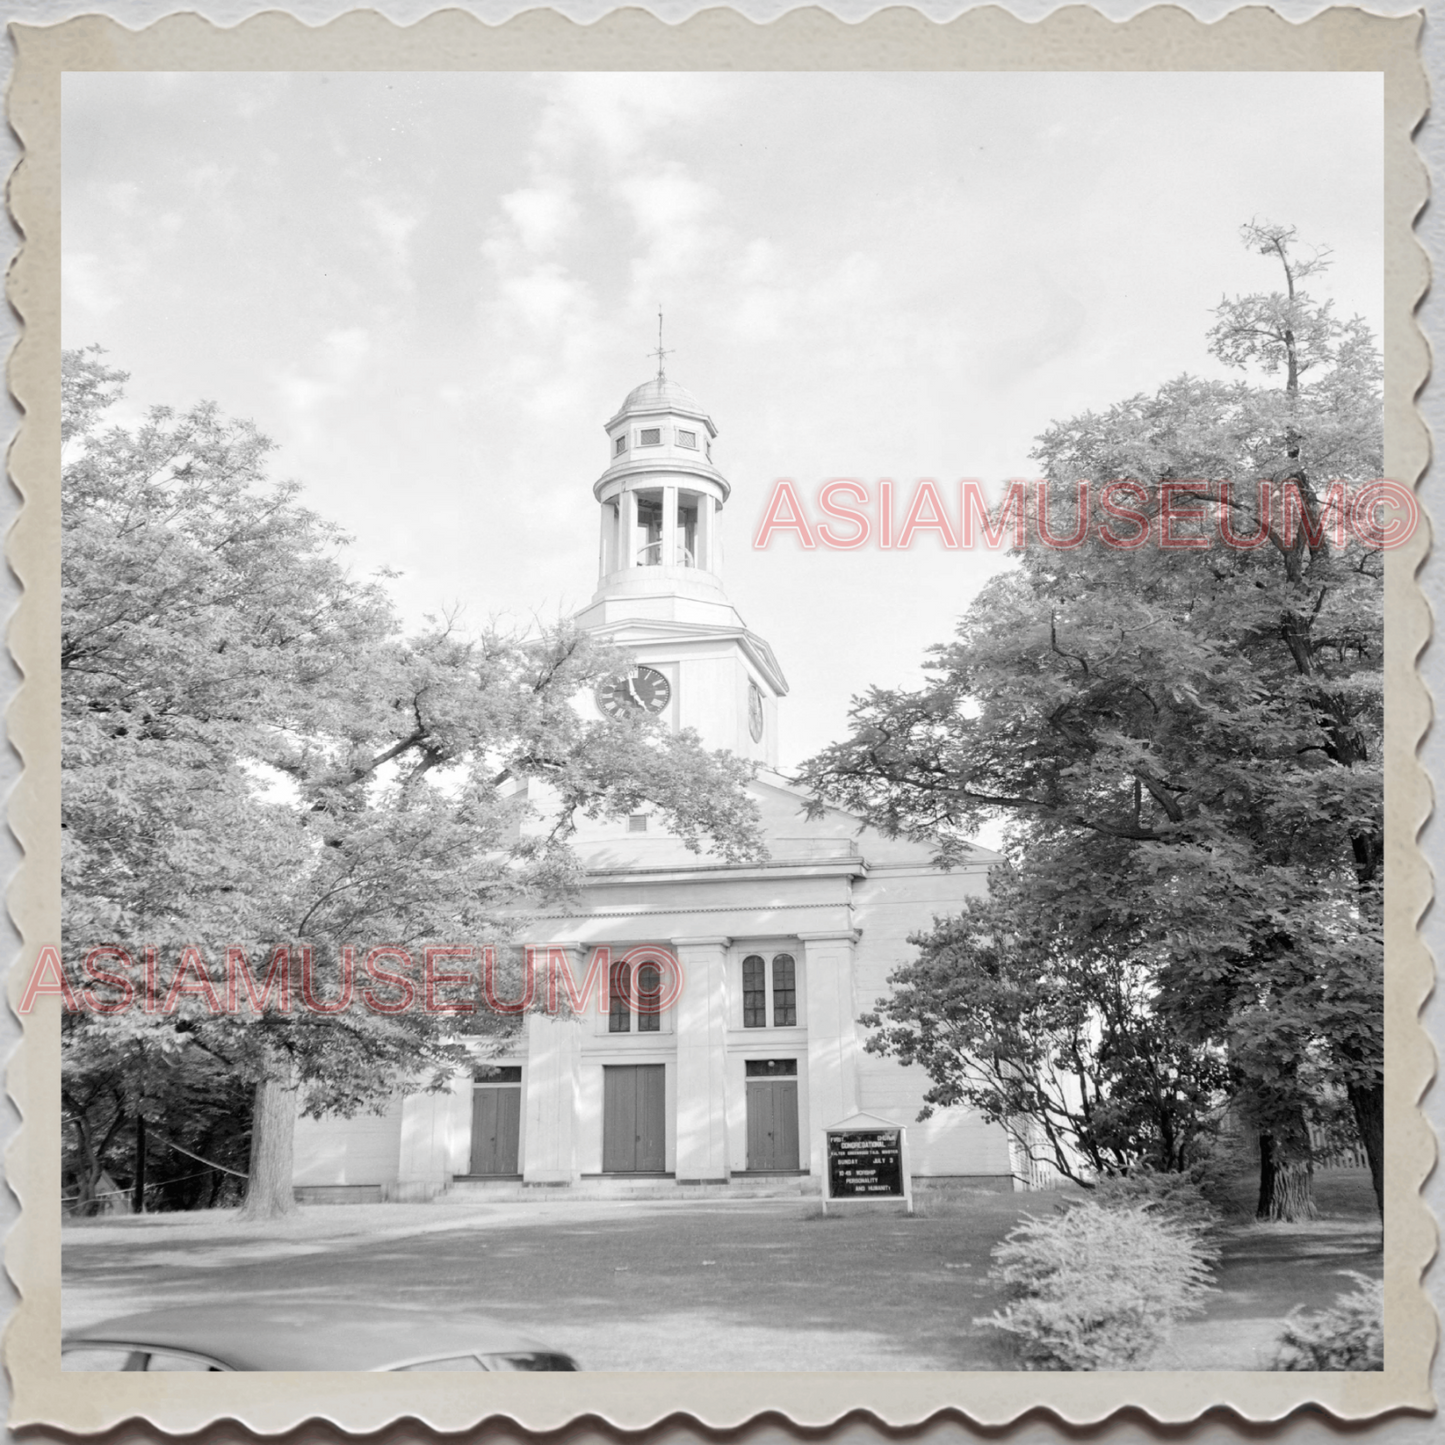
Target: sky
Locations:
point(432, 291)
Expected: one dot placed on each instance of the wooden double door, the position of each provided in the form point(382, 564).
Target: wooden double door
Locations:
point(634, 1122)
point(772, 1124)
point(496, 1128)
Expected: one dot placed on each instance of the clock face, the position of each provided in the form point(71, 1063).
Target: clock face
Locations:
point(645, 690)
point(755, 712)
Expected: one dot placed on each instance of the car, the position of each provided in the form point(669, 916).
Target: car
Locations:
point(305, 1335)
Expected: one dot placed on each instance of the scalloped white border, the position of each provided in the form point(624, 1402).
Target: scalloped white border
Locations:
point(988, 38)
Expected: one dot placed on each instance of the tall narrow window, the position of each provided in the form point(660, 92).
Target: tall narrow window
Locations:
point(649, 990)
point(621, 446)
point(619, 1012)
point(785, 992)
point(755, 993)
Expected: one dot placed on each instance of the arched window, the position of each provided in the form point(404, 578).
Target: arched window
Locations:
point(619, 1013)
point(758, 1012)
point(785, 992)
point(755, 992)
point(649, 991)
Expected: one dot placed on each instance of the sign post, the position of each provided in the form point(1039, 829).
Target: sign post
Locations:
point(866, 1157)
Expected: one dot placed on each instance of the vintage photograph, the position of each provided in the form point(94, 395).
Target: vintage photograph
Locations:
point(722, 721)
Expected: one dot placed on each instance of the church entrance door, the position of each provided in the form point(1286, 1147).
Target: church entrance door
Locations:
point(634, 1129)
point(496, 1128)
point(772, 1124)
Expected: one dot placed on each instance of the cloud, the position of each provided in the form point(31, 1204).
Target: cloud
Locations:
point(343, 355)
point(393, 225)
point(86, 282)
point(541, 214)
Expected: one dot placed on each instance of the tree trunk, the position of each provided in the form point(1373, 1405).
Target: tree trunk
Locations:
point(85, 1181)
point(138, 1188)
point(1286, 1182)
point(273, 1130)
point(1368, 1102)
point(1266, 1176)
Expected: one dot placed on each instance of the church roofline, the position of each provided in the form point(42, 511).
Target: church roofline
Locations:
point(635, 467)
point(661, 407)
point(757, 651)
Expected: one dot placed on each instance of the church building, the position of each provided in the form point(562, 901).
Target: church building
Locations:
point(734, 1083)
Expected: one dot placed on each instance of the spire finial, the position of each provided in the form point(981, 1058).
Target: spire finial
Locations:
point(660, 354)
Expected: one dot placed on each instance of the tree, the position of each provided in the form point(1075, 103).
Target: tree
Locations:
point(1062, 1044)
point(254, 759)
point(1202, 721)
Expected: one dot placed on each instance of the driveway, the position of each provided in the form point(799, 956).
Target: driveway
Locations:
point(662, 1285)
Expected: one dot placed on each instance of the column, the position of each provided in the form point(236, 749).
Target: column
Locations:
point(832, 1035)
point(627, 532)
point(704, 531)
point(700, 1022)
point(669, 526)
point(553, 1078)
point(424, 1163)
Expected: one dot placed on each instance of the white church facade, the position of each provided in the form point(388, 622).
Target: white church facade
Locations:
point(736, 1080)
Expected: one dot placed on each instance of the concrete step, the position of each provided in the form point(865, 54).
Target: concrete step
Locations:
point(473, 1191)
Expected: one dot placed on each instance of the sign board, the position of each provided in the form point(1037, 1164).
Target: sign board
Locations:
point(866, 1157)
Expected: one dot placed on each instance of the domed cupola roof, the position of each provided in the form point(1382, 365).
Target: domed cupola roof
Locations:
point(659, 396)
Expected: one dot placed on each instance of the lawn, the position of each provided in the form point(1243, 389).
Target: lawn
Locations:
point(700, 1286)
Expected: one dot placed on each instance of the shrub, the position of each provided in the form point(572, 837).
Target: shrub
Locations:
point(1173, 1196)
point(1348, 1336)
point(1098, 1288)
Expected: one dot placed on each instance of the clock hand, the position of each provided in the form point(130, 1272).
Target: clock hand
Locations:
point(632, 688)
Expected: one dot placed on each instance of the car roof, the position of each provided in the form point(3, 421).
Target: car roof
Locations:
point(310, 1334)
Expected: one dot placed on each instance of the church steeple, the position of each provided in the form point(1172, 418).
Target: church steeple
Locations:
point(660, 496)
point(660, 593)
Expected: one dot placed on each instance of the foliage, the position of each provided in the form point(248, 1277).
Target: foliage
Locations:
point(1350, 1335)
point(1194, 730)
point(192, 1104)
point(1175, 1196)
point(1062, 1044)
point(1099, 1288)
point(254, 757)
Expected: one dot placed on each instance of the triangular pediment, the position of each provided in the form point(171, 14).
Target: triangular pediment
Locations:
point(834, 838)
point(642, 632)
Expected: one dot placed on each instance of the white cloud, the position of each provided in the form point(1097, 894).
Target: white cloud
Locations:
point(393, 225)
point(87, 283)
point(342, 356)
point(541, 214)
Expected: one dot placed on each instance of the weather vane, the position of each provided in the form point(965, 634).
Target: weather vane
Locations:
point(660, 354)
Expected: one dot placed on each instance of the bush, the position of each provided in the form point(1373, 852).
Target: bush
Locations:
point(1348, 1336)
point(1098, 1288)
point(1173, 1196)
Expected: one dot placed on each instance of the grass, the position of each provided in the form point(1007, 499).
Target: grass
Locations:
point(701, 1286)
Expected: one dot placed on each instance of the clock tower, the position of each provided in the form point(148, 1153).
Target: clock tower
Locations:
point(660, 594)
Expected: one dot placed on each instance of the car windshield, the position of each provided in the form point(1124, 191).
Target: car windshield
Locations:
point(529, 1360)
point(511, 1360)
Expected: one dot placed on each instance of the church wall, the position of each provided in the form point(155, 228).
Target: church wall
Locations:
point(363, 1150)
point(889, 905)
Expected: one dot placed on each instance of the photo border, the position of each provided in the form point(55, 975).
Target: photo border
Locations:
point(1077, 39)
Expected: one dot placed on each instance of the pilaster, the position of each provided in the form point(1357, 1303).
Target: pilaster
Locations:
point(700, 1026)
point(553, 1076)
point(832, 1035)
